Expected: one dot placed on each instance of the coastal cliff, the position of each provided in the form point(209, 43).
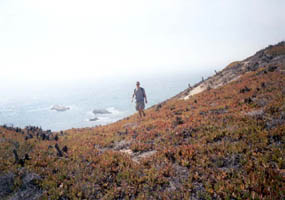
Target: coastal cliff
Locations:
point(221, 139)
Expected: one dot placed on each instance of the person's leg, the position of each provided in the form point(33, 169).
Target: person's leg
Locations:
point(143, 113)
point(138, 109)
point(140, 113)
point(142, 108)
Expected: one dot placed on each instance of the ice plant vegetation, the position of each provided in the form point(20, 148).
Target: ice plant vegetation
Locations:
point(225, 142)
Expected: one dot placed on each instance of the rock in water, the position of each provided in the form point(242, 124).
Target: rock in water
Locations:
point(60, 108)
point(101, 111)
point(93, 119)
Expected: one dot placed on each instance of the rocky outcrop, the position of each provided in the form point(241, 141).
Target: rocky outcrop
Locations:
point(30, 132)
point(100, 111)
point(6, 184)
point(93, 119)
point(27, 190)
point(269, 58)
point(60, 108)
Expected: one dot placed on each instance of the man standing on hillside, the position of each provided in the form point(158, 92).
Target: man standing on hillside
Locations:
point(140, 95)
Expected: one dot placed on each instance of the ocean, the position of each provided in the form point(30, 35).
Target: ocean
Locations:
point(32, 105)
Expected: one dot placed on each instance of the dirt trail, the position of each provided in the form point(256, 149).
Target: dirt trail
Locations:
point(123, 146)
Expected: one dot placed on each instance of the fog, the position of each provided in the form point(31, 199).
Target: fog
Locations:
point(59, 42)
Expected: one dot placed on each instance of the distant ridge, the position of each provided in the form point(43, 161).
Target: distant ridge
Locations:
point(270, 56)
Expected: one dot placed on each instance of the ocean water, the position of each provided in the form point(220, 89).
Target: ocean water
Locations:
point(32, 105)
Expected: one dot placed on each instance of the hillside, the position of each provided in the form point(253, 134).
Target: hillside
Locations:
point(222, 139)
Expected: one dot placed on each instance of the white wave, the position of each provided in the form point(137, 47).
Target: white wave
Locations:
point(113, 110)
point(90, 113)
point(102, 119)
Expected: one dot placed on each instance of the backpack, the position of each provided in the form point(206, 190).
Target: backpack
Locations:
point(142, 91)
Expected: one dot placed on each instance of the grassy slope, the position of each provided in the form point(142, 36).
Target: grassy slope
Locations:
point(213, 145)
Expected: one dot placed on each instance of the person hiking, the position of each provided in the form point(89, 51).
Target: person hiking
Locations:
point(140, 95)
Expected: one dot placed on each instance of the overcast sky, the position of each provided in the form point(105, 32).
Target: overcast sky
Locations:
point(50, 40)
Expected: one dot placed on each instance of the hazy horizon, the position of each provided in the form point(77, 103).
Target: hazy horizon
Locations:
point(21, 107)
point(49, 42)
